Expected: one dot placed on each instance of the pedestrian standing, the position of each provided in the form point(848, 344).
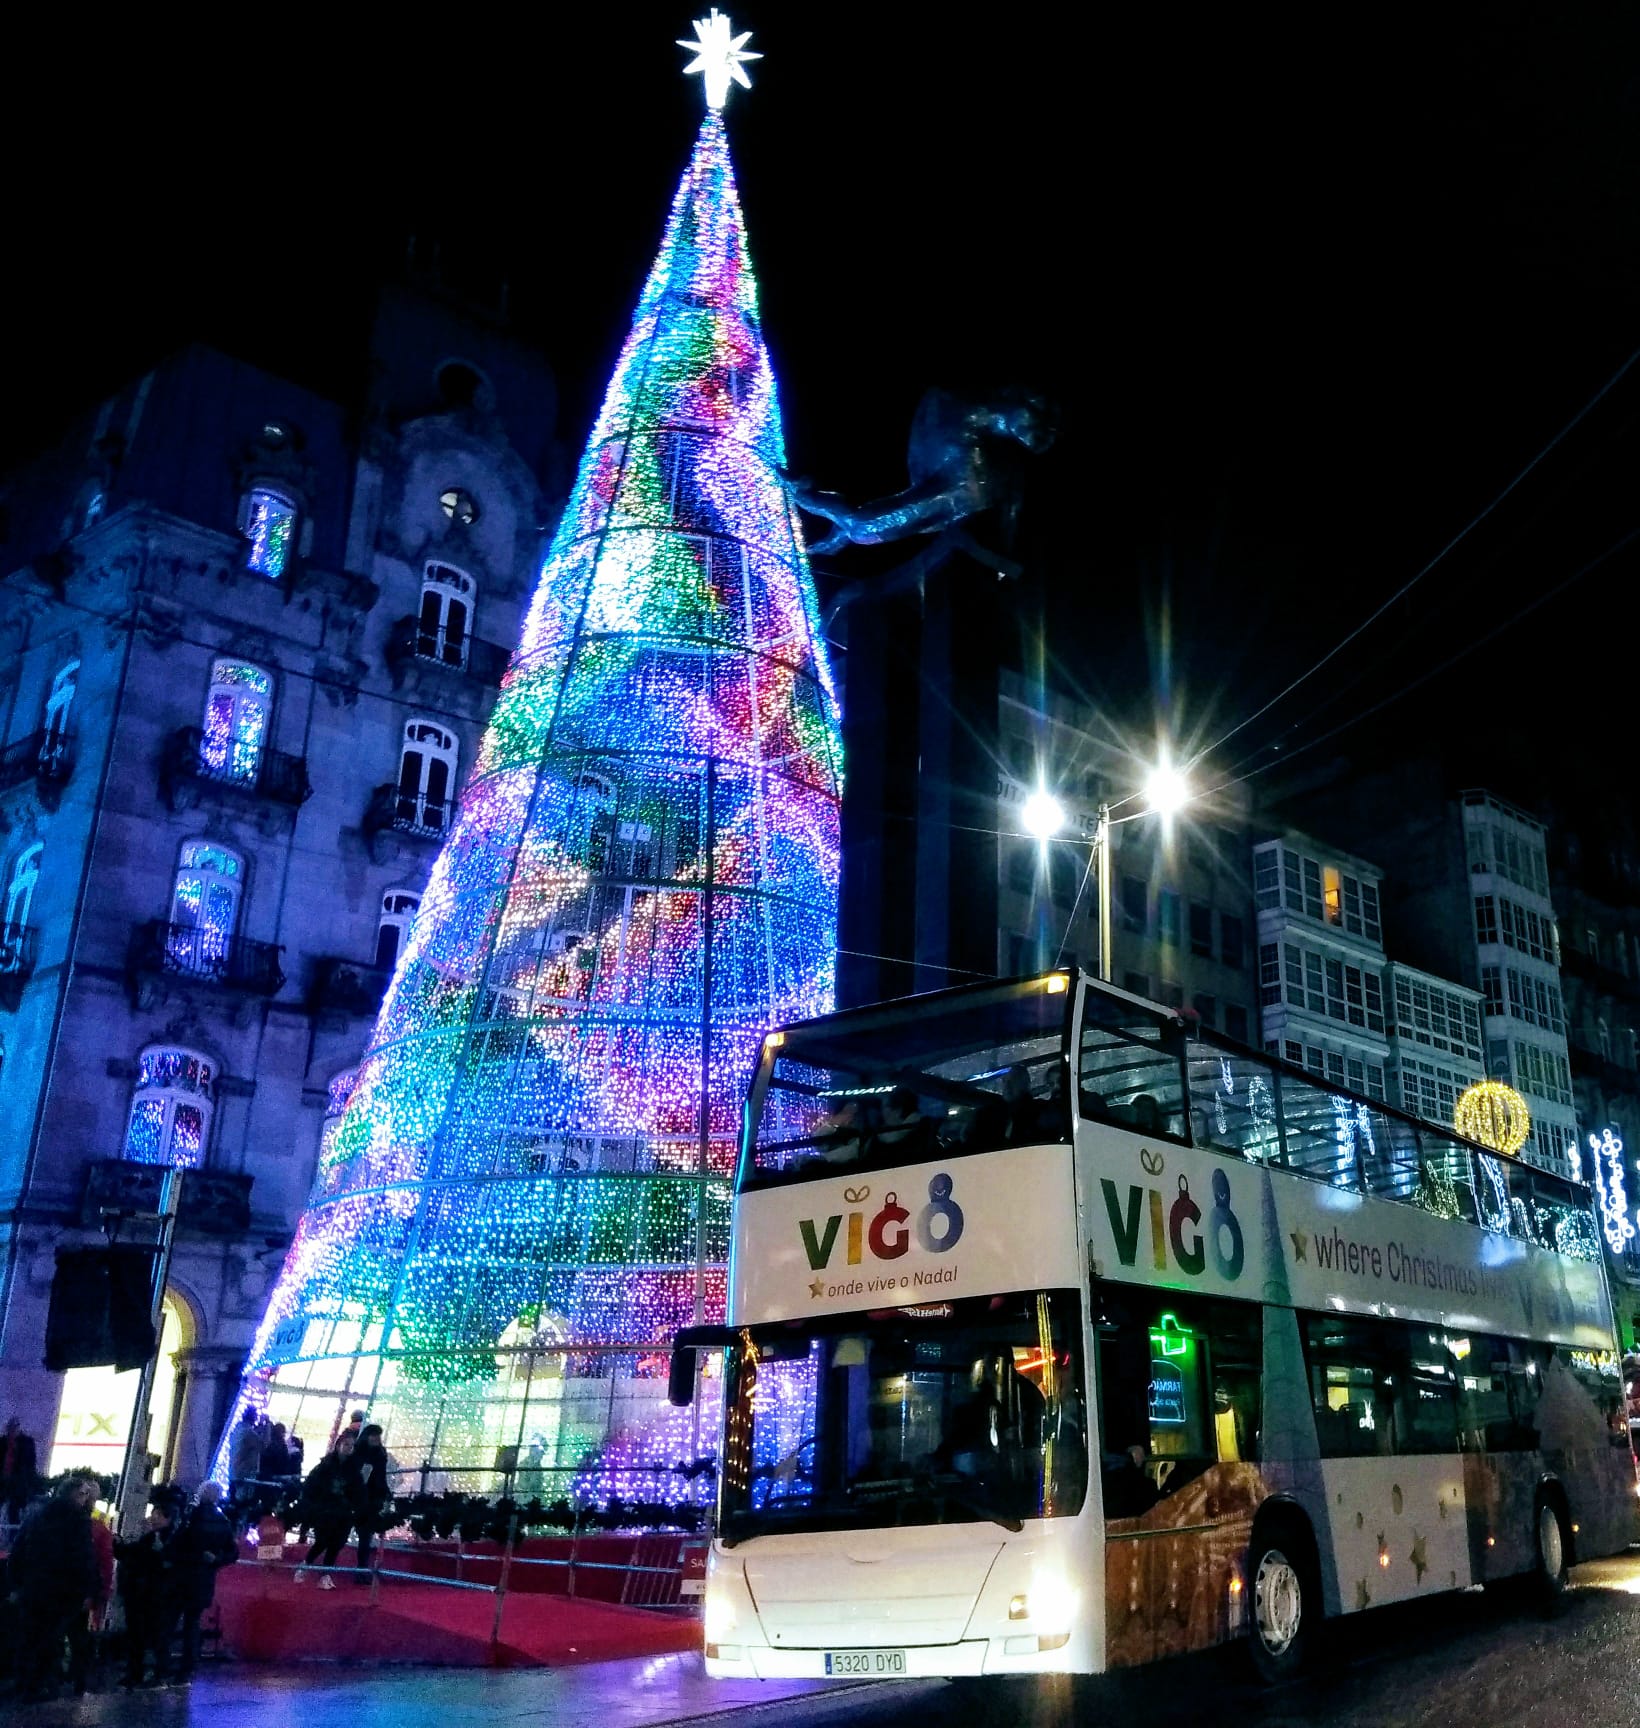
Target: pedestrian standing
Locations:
point(275, 1462)
point(83, 1649)
point(53, 1579)
point(204, 1545)
point(147, 1586)
point(245, 1463)
point(328, 1507)
point(18, 1475)
point(369, 1490)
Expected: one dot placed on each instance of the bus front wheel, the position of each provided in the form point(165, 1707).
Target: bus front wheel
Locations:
point(1283, 1605)
point(1551, 1546)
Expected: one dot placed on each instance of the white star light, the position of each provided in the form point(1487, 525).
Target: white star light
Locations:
point(718, 56)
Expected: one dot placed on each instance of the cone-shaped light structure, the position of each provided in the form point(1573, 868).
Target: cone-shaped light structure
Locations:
point(529, 1188)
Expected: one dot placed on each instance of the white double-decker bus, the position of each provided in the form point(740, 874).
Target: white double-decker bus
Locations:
point(1064, 1335)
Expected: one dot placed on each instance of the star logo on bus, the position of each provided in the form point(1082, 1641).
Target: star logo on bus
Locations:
point(818, 1287)
point(1301, 1243)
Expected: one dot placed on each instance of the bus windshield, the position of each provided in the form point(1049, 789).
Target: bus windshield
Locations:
point(971, 1072)
point(953, 1412)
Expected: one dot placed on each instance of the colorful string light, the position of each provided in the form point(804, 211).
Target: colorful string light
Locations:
point(528, 1189)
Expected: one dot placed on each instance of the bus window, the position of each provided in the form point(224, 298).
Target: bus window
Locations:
point(1236, 1358)
point(1497, 1395)
point(1427, 1410)
point(1352, 1386)
point(1322, 1135)
point(1233, 1104)
point(1131, 1072)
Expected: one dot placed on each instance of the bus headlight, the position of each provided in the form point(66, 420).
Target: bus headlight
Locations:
point(719, 1617)
point(1052, 1602)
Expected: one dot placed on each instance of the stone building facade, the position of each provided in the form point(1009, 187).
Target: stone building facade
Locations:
point(248, 639)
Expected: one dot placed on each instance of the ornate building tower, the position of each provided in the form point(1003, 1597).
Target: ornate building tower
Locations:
point(529, 1188)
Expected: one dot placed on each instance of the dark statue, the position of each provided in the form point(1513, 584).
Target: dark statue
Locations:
point(963, 463)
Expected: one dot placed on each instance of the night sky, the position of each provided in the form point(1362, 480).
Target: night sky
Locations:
point(1310, 289)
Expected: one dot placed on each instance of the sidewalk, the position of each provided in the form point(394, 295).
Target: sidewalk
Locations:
point(641, 1693)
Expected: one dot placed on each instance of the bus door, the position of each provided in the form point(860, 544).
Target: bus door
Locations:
point(1178, 1388)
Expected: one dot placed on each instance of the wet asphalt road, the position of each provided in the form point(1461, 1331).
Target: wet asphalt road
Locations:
point(1449, 1663)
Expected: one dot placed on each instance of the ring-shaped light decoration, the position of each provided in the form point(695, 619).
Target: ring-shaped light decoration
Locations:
point(1493, 1114)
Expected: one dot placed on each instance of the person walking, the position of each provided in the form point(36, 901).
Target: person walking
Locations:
point(147, 1587)
point(204, 1545)
point(53, 1579)
point(327, 1507)
point(369, 1491)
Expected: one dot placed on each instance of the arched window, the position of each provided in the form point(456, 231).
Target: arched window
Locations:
point(398, 911)
point(24, 873)
point(1603, 1035)
point(459, 505)
point(58, 703)
point(171, 1108)
point(95, 504)
point(238, 710)
point(446, 621)
point(204, 907)
point(268, 522)
point(427, 776)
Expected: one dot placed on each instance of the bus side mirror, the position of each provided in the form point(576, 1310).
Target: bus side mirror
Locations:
point(680, 1375)
point(680, 1378)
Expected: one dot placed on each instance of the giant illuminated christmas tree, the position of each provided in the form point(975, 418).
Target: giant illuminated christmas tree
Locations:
point(529, 1189)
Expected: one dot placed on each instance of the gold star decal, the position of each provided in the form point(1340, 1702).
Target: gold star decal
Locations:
point(1301, 1242)
point(818, 1287)
point(1420, 1556)
point(1363, 1596)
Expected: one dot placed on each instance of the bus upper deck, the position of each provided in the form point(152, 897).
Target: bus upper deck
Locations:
point(981, 1067)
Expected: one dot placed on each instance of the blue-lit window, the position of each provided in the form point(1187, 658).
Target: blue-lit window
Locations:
point(398, 913)
point(171, 1110)
point(204, 907)
point(237, 711)
point(20, 883)
point(270, 527)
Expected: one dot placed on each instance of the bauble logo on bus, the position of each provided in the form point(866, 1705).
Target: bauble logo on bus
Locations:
point(938, 1226)
point(1178, 1227)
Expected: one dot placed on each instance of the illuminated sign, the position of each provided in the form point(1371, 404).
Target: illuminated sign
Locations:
point(1607, 1152)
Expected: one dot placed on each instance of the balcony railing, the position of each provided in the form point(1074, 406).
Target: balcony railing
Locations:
point(47, 758)
point(461, 651)
point(274, 775)
point(345, 987)
point(408, 812)
point(212, 1203)
point(190, 951)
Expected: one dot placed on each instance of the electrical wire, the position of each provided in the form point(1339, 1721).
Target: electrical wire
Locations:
point(1407, 587)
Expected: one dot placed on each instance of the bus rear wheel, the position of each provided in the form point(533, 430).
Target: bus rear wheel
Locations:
point(1282, 1607)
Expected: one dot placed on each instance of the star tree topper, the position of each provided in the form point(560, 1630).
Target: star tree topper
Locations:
point(719, 56)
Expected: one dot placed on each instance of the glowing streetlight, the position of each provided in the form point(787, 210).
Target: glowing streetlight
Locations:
point(1042, 815)
point(1166, 791)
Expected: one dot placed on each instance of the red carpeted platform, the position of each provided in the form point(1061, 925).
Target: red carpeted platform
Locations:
point(268, 1617)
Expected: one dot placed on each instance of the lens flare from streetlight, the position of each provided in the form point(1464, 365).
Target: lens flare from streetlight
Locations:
point(1167, 791)
point(1042, 815)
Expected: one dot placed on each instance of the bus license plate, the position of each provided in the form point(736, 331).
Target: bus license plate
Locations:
point(869, 1663)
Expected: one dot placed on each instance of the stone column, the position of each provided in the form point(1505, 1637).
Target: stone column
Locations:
point(211, 1381)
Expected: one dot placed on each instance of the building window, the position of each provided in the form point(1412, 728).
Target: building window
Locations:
point(1293, 960)
point(1486, 918)
point(204, 907)
point(1266, 877)
point(1603, 1036)
point(1371, 928)
point(1135, 903)
point(1167, 917)
point(1591, 945)
point(171, 1109)
point(427, 775)
point(1201, 930)
point(1313, 902)
point(94, 507)
point(398, 911)
point(1235, 1022)
point(1269, 975)
point(270, 526)
point(1207, 1009)
point(446, 622)
point(1172, 995)
point(1492, 988)
point(1293, 1051)
point(1333, 894)
point(459, 505)
point(25, 872)
point(1231, 940)
point(58, 703)
point(238, 707)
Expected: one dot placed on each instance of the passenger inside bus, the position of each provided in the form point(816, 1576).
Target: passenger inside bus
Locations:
point(1129, 1490)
